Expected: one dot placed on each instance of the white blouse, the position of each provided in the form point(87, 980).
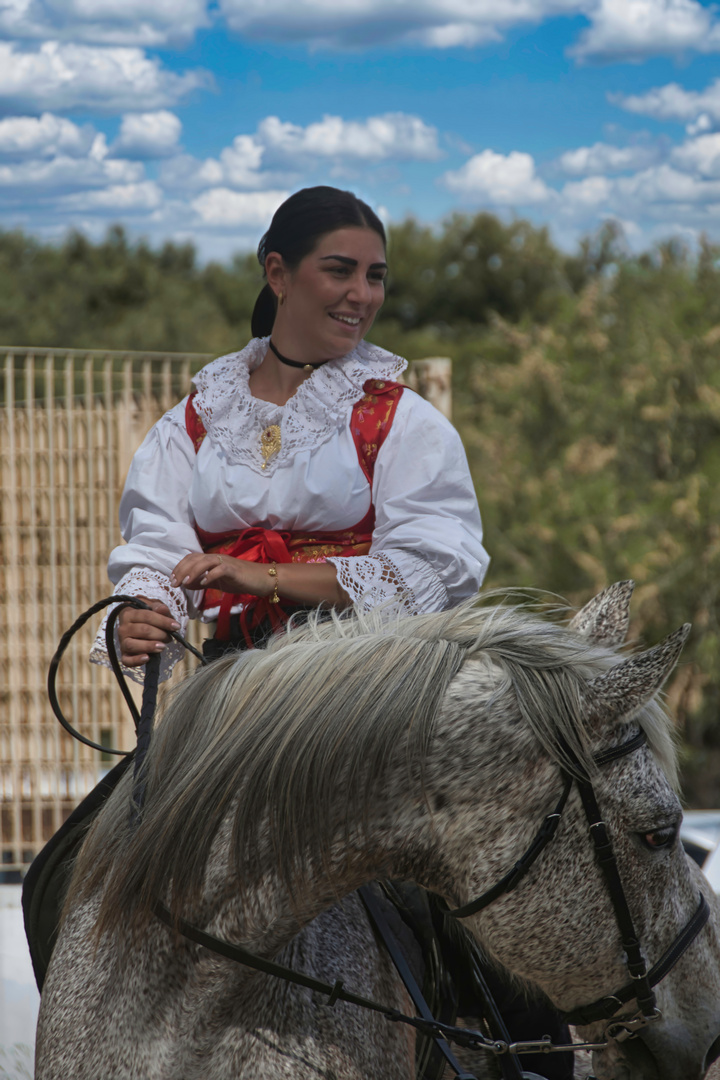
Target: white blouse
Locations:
point(426, 552)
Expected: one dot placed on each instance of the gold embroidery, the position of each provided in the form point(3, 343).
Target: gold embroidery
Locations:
point(270, 443)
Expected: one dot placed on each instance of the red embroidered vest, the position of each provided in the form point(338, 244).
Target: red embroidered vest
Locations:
point(370, 422)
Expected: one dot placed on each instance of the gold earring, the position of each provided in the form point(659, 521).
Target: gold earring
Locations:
point(281, 299)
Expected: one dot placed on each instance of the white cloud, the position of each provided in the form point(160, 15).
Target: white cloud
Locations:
point(279, 153)
point(63, 173)
point(618, 30)
point(590, 194)
point(703, 123)
point(700, 110)
point(651, 193)
point(107, 22)
point(498, 179)
point(45, 160)
point(116, 199)
point(185, 172)
point(603, 158)
point(458, 34)
point(239, 164)
point(224, 208)
point(66, 76)
point(148, 135)
point(636, 29)
point(664, 185)
point(355, 24)
point(43, 136)
point(395, 136)
point(700, 156)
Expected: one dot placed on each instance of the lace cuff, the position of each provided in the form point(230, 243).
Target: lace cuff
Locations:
point(371, 580)
point(155, 586)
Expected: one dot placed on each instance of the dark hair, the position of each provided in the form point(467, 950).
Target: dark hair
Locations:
point(294, 231)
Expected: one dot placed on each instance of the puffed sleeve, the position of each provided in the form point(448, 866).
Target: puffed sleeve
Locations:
point(426, 551)
point(155, 521)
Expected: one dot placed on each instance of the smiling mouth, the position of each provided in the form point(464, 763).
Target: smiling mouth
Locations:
point(347, 319)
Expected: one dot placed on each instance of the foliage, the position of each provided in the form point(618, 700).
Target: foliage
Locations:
point(474, 268)
point(586, 390)
point(114, 295)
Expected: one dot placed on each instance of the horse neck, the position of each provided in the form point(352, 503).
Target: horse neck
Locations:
point(394, 842)
point(438, 823)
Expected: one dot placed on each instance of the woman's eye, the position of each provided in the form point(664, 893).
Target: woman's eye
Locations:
point(660, 838)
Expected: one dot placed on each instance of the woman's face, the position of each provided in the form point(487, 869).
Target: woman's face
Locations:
point(332, 297)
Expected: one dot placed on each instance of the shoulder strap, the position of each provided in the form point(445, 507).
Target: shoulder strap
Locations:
point(193, 424)
point(371, 420)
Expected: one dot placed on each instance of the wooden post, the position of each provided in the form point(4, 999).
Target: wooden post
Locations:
point(432, 379)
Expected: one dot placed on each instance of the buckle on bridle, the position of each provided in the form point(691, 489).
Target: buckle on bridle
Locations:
point(627, 1027)
point(532, 1046)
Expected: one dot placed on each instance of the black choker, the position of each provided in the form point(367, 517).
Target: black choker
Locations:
point(295, 363)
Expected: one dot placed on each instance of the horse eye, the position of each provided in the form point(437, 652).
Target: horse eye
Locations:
point(660, 838)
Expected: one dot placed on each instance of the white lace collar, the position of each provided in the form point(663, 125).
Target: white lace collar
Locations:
point(234, 419)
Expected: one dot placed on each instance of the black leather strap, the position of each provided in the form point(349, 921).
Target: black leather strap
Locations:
point(606, 1008)
point(513, 877)
point(605, 856)
point(144, 735)
point(606, 757)
point(377, 918)
point(334, 992)
point(681, 943)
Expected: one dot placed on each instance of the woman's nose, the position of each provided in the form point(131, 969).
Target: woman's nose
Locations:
point(359, 290)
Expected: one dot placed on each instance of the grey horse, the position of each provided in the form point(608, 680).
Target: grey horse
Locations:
point(425, 749)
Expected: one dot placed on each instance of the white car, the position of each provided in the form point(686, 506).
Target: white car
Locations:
point(700, 834)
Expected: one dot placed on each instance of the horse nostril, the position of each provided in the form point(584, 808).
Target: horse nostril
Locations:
point(712, 1054)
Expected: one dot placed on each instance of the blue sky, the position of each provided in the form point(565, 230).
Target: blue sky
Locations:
point(190, 119)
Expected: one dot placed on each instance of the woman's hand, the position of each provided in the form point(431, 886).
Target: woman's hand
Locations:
point(143, 632)
point(223, 572)
point(308, 584)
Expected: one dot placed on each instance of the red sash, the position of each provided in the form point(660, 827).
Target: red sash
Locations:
point(370, 422)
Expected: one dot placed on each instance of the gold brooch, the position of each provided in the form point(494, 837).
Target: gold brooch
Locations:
point(270, 443)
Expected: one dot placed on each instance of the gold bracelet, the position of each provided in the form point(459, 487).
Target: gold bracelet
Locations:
point(272, 571)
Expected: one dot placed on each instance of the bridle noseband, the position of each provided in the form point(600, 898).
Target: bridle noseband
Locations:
point(642, 981)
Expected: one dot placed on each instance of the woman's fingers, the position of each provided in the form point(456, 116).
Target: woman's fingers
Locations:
point(223, 572)
point(142, 632)
point(190, 569)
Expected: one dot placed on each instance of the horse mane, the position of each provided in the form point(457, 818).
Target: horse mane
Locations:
point(261, 737)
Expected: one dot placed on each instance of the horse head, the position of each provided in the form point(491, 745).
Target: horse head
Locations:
point(559, 930)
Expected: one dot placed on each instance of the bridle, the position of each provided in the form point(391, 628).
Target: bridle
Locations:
point(639, 987)
point(642, 981)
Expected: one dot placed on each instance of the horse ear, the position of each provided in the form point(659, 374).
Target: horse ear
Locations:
point(626, 687)
point(605, 619)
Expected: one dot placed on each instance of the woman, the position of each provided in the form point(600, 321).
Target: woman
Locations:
point(299, 472)
point(320, 481)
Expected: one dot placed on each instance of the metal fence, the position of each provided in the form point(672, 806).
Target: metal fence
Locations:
point(70, 423)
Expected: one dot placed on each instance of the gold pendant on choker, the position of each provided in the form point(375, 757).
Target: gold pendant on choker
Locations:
point(270, 443)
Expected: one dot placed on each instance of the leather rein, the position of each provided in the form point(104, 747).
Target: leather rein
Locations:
point(639, 987)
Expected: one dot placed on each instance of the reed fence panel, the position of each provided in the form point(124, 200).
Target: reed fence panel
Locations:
point(70, 424)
